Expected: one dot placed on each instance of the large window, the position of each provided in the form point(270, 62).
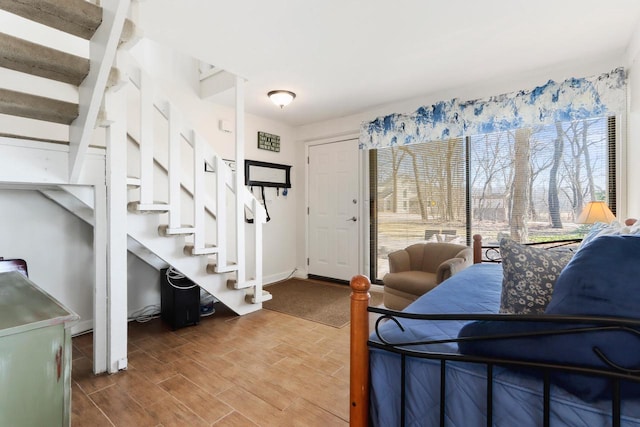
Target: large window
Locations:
point(527, 184)
point(416, 198)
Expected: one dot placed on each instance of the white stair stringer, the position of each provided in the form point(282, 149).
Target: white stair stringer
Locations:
point(143, 229)
point(76, 200)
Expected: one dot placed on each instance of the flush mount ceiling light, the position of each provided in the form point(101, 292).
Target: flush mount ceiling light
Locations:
point(281, 97)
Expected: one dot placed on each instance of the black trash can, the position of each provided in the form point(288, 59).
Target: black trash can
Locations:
point(179, 299)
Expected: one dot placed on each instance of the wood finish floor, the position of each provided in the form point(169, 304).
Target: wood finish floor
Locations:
point(262, 369)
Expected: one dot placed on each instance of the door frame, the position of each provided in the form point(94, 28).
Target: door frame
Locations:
point(363, 196)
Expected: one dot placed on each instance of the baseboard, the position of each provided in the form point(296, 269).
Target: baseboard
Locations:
point(82, 327)
point(85, 326)
point(328, 279)
point(279, 277)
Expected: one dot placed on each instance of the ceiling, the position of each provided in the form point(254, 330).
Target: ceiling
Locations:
point(343, 57)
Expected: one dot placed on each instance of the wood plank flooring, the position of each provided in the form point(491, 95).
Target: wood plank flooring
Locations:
point(262, 369)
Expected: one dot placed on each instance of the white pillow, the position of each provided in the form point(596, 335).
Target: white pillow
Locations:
point(614, 228)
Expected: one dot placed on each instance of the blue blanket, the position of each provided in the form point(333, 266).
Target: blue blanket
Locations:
point(517, 398)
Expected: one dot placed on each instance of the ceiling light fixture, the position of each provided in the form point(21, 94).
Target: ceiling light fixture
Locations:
point(281, 97)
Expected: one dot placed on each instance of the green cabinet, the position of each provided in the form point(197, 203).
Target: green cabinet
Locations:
point(35, 355)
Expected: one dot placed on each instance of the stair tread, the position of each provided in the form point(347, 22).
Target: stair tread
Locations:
point(185, 229)
point(32, 138)
point(130, 34)
point(213, 268)
point(37, 107)
point(156, 207)
point(207, 245)
point(77, 17)
point(209, 249)
point(265, 296)
point(31, 58)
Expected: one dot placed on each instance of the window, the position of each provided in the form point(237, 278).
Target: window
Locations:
point(529, 184)
point(433, 203)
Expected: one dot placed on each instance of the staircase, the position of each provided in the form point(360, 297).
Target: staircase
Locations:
point(189, 228)
point(174, 198)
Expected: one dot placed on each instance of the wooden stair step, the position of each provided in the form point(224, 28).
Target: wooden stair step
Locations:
point(31, 58)
point(133, 182)
point(213, 268)
point(233, 284)
point(190, 249)
point(183, 230)
point(251, 299)
point(37, 107)
point(130, 34)
point(77, 17)
point(156, 207)
point(32, 138)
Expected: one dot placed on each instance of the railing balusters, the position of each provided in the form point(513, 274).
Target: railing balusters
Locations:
point(152, 101)
point(221, 212)
point(239, 180)
point(175, 169)
point(257, 225)
point(146, 140)
point(198, 192)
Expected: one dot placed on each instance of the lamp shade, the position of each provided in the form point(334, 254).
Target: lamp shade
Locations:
point(281, 97)
point(595, 212)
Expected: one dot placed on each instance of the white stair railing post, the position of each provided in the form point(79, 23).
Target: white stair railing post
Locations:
point(258, 221)
point(175, 169)
point(221, 212)
point(146, 140)
point(101, 286)
point(198, 192)
point(240, 242)
point(116, 180)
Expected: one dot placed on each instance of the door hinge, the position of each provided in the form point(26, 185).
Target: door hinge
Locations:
point(307, 210)
point(307, 159)
point(307, 261)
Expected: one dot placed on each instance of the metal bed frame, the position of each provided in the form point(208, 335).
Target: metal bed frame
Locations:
point(360, 344)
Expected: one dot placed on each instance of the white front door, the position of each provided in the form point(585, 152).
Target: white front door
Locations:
point(333, 210)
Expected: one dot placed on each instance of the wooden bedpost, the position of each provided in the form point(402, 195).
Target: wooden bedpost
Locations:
point(477, 249)
point(359, 366)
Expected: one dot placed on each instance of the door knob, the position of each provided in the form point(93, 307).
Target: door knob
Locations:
point(353, 218)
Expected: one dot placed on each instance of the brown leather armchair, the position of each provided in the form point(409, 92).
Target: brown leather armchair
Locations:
point(417, 269)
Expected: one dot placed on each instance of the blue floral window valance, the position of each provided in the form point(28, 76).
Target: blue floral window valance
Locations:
point(572, 99)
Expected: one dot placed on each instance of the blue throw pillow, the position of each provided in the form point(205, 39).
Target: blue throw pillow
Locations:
point(602, 279)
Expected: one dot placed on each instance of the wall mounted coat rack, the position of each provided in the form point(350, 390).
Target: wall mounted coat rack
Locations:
point(265, 174)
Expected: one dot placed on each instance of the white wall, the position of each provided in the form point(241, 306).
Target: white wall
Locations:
point(56, 245)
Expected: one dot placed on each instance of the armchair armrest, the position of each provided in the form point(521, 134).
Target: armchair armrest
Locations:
point(399, 261)
point(452, 266)
point(449, 268)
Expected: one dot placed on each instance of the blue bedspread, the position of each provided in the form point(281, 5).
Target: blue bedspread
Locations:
point(517, 397)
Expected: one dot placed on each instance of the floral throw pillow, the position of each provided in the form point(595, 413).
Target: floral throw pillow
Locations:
point(529, 274)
